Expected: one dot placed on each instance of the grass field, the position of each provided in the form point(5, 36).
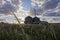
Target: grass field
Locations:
point(32, 31)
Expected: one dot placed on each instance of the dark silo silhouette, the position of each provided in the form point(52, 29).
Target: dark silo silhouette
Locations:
point(28, 20)
point(36, 20)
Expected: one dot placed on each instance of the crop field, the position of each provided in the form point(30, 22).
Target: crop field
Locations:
point(31, 31)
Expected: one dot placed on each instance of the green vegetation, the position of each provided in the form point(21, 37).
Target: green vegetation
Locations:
point(32, 31)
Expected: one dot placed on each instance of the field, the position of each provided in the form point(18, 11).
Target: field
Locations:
point(32, 31)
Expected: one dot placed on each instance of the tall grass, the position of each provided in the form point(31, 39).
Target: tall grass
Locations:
point(23, 32)
point(33, 32)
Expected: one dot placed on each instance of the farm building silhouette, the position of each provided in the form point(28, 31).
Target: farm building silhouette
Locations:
point(30, 20)
point(35, 20)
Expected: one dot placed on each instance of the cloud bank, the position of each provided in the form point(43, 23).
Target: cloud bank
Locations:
point(46, 7)
point(10, 6)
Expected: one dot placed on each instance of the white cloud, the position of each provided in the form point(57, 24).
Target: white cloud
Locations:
point(37, 11)
point(33, 4)
point(39, 2)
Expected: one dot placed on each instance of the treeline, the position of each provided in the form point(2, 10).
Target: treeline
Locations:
point(43, 31)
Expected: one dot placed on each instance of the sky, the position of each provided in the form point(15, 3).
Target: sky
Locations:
point(46, 10)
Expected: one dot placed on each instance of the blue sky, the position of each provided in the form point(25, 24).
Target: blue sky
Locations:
point(47, 7)
point(26, 4)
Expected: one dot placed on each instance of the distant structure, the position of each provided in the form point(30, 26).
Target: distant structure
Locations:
point(36, 20)
point(28, 20)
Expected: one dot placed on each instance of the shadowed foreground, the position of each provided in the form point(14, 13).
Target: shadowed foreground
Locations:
point(33, 31)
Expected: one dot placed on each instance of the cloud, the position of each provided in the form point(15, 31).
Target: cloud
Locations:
point(10, 19)
point(33, 3)
point(55, 20)
point(10, 6)
point(7, 8)
point(47, 7)
point(37, 11)
point(15, 2)
point(50, 4)
point(38, 2)
point(51, 13)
